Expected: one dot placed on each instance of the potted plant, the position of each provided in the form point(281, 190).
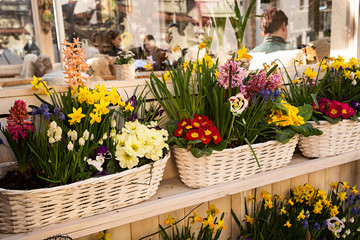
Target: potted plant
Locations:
point(82, 161)
point(226, 121)
point(334, 97)
point(125, 66)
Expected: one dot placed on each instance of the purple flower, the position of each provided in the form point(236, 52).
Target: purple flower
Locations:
point(59, 114)
point(305, 224)
point(353, 211)
point(43, 110)
point(357, 197)
point(350, 199)
point(102, 173)
point(324, 224)
point(355, 105)
point(316, 227)
point(236, 72)
point(104, 151)
point(132, 101)
point(132, 118)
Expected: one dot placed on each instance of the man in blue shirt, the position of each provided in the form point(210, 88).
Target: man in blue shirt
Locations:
point(273, 25)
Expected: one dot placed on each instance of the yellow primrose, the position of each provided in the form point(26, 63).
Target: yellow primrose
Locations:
point(95, 117)
point(148, 66)
point(310, 73)
point(249, 219)
point(287, 224)
point(76, 116)
point(102, 107)
point(342, 196)
point(36, 83)
point(169, 220)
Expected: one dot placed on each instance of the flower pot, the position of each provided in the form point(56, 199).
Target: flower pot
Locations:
point(23, 211)
point(336, 138)
point(232, 163)
point(125, 71)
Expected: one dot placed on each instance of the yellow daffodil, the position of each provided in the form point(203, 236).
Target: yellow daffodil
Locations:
point(252, 198)
point(216, 73)
point(212, 210)
point(357, 74)
point(310, 73)
point(128, 107)
point(242, 53)
point(334, 211)
point(353, 190)
point(95, 117)
point(82, 94)
point(195, 218)
point(283, 211)
point(176, 48)
point(148, 66)
point(296, 81)
point(202, 45)
point(353, 62)
point(209, 222)
point(185, 64)
point(36, 83)
point(278, 196)
point(169, 220)
point(291, 202)
point(249, 219)
point(322, 193)
point(166, 76)
point(283, 96)
point(265, 195)
point(221, 225)
point(269, 204)
point(345, 185)
point(301, 215)
point(266, 67)
point(102, 107)
point(348, 75)
point(76, 116)
point(333, 185)
point(209, 61)
point(287, 224)
point(103, 235)
point(342, 196)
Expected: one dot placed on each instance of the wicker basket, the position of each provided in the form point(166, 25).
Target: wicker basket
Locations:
point(23, 211)
point(336, 138)
point(125, 71)
point(232, 163)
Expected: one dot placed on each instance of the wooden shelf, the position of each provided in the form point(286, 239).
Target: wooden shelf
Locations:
point(173, 195)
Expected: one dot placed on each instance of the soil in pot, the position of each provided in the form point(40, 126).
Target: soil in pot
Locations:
point(16, 180)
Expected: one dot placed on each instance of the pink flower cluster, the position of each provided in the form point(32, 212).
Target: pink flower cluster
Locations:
point(334, 109)
point(233, 69)
point(18, 125)
point(259, 82)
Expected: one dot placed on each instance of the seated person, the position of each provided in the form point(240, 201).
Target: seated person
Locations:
point(273, 24)
point(113, 41)
point(153, 54)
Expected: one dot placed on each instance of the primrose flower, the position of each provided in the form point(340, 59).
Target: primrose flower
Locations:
point(238, 104)
point(125, 159)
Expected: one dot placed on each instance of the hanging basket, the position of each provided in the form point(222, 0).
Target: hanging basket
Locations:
point(232, 163)
point(336, 138)
point(125, 71)
point(23, 211)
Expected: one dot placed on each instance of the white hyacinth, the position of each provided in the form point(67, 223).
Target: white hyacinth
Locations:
point(51, 140)
point(81, 141)
point(113, 123)
point(70, 146)
point(105, 136)
point(86, 135)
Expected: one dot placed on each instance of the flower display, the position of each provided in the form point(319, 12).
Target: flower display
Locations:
point(231, 74)
point(126, 58)
point(308, 213)
point(284, 120)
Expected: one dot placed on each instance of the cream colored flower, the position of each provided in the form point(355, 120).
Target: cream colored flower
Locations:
point(51, 140)
point(125, 159)
point(70, 146)
point(113, 123)
point(81, 141)
point(86, 135)
point(134, 147)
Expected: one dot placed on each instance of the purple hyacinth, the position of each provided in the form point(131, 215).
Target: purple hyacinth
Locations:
point(316, 227)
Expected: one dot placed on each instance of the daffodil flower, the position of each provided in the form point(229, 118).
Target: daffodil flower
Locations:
point(76, 116)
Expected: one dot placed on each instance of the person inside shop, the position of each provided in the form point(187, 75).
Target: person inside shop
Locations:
point(154, 55)
point(273, 24)
point(113, 42)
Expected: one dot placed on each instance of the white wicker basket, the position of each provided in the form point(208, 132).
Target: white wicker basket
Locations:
point(232, 163)
point(336, 138)
point(125, 71)
point(23, 211)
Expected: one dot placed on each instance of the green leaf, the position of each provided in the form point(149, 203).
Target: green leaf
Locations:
point(220, 146)
point(279, 105)
point(284, 135)
point(194, 142)
point(180, 142)
point(332, 120)
point(196, 152)
point(306, 130)
point(184, 114)
point(207, 151)
point(113, 166)
point(305, 111)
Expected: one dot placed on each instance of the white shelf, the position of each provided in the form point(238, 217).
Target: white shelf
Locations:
point(173, 195)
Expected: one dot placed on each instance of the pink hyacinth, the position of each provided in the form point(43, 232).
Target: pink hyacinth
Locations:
point(18, 126)
point(259, 82)
point(236, 72)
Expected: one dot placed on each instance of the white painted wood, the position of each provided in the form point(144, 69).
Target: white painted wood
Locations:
point(173, 195)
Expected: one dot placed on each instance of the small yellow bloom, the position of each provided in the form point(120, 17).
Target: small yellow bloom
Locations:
point(202, 45)
point(301, 215)
point(296, 81)
point(209, 222)
point(129, 107)
point(252, 198)
point(221, 225)
point(269, 203)
point(345, 185)
point(249, 219)
point(166, 76)
point(334, 211)
point(35, 83)
point(333, 185)
point(102, 107)
point(291, 202)
point(103, 235)
point(342, 196)
point(176, 48)
point(322, 193)
point(76, 116)
point(287, 224)
point(169, 220)
point(212, 210)
point(283, 211)
point(357, 74)
point(95, 117)
point(195, 218)
point(310, 73)
point(353, 62)
point(185, 64)
point(148, 66)
point(353, 190)
point(241, 53)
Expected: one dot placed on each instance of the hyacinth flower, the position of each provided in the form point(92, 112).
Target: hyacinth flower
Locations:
point(18, 131)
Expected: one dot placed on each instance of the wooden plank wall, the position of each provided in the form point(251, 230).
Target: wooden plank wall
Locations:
point(318, 179)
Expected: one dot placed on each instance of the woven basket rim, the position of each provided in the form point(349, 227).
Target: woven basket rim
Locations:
point(326, 122)
point(245, 146)
point(87, 181)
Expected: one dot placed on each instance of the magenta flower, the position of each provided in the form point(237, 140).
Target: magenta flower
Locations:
point(236, 72)
point(18, 125)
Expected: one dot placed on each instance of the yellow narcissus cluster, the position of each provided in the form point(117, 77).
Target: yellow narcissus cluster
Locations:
point(137, 141)
point(291, 118)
